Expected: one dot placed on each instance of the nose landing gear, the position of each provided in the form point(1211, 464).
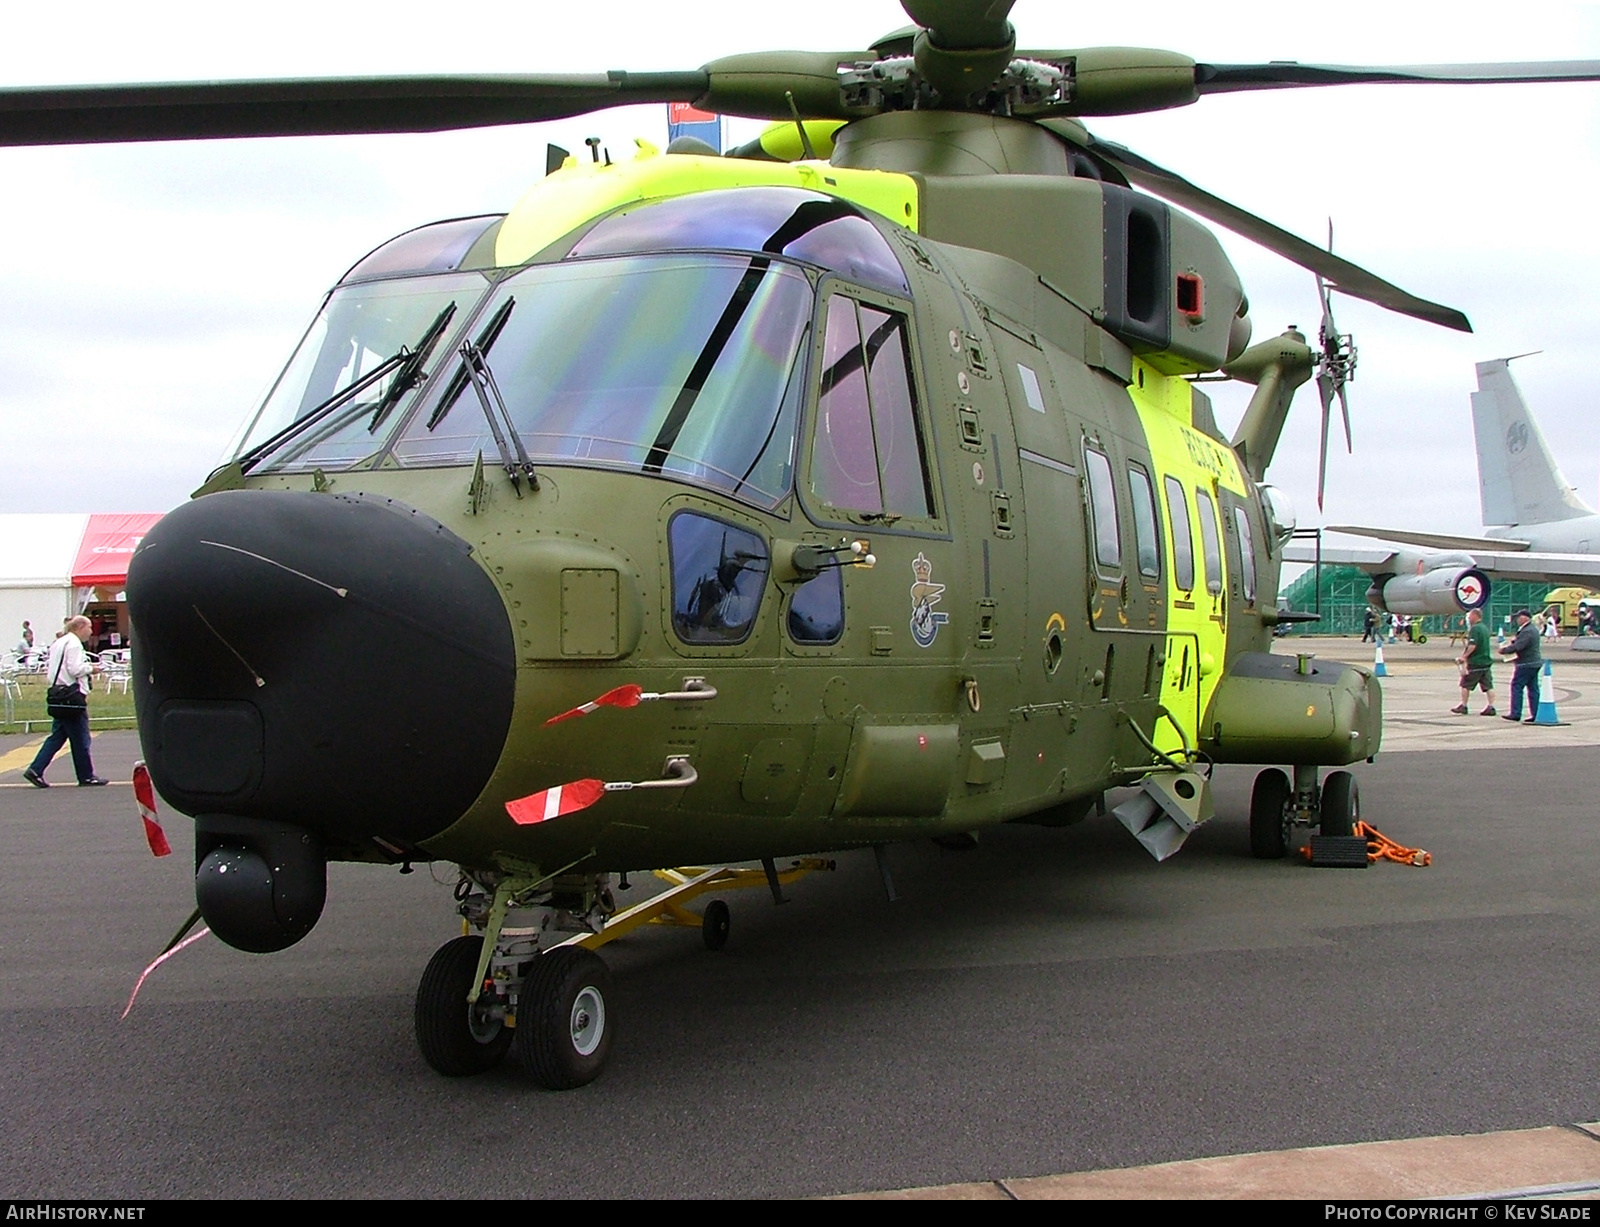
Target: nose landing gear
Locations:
point(482, 996)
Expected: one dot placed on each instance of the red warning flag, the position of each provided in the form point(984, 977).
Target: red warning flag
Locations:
point(553, 802)
point(144, 792)
point(622, 696)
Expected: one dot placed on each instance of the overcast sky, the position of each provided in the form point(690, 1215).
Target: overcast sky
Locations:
point(150, 293)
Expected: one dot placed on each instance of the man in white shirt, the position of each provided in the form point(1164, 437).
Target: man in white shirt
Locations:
point(67, 665)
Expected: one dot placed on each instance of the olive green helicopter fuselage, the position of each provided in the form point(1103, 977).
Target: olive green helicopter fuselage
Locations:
point(886, 466)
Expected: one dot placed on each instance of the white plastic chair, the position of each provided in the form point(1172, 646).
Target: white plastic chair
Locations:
point(116, 673)
point(10, 692)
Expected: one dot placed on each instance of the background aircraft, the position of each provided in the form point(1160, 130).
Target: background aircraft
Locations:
point(1542, 529)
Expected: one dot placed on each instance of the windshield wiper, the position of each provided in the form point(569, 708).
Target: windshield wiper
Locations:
point(458, 382)
point(477, 368)
point(405, 360)
point(343, 396)
point(411, 372)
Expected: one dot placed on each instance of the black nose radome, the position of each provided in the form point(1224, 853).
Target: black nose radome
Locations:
point(340, 664)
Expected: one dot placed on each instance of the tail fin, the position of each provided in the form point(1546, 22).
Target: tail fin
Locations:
point(1517, 477)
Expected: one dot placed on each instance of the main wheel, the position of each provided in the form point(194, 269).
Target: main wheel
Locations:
point(1268, 800)
point(714, 925)
point(564, 1026)
point(1341, 804)
point(455, 1038)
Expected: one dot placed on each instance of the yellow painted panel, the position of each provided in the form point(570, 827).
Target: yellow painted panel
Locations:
point(1196, 641)
point(579, 191)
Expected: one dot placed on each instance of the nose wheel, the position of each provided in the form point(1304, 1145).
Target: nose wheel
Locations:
point(564, 1027)
point(455, 1038)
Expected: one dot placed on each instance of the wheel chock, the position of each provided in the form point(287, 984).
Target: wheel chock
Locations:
point(1337, 852)
point(1369, 843)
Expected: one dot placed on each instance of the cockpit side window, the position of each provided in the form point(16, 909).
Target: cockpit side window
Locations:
point(844, 468)
point(718, 573)
point(867, 454)
point(816, 610)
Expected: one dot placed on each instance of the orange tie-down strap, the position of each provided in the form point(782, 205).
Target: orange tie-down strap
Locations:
point(1381, 848)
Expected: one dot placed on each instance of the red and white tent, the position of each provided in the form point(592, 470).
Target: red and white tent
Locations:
point(53, 566)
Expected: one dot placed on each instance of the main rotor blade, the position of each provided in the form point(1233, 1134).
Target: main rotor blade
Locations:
point(199, 110)
point(1345, 277)
point(1286, 74)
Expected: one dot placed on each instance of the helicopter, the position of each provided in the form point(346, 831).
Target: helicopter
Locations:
point(853, 488)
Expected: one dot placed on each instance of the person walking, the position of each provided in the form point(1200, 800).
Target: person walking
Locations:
point(67, 665)
point(1525, 677)
point(1476, 661)
point(1369, 625)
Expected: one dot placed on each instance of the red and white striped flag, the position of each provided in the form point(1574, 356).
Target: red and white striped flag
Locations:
point(622, 696)
point(144, 792)
point(554, 802)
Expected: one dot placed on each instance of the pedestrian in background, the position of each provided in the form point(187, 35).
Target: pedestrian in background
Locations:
point(68, 665)
point(1476, 661)
point(1524, 646)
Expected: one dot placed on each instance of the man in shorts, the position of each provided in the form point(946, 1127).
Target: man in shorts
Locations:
point(1476, 661)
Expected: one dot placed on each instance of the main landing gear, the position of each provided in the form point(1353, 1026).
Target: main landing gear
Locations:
point(508, 990)
point(1277, 807)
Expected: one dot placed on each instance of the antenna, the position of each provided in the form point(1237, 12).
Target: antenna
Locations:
point(805, 141)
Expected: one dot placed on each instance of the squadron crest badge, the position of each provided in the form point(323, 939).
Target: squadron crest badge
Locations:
point(925, 594)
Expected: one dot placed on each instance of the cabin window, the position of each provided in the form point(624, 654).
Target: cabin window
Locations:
point(1103, 504)
point(1247, 554)
point(1182, 537)
point(816, 610)
point(718, 573)
point(1210, 542)
point(868, 456)
point(1144, 522)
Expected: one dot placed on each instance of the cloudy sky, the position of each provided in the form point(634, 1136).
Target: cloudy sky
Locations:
point(150, 293)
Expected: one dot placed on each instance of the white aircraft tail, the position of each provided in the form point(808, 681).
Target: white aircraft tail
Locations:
point(1517, 476)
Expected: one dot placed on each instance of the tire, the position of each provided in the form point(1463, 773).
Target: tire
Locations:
point(714, 926)
point(1268, 798)
point(450, 1041)
point(564, 1021)
point(1341, 804)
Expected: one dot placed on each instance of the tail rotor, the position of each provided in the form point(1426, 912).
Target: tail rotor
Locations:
point(1336, 366)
